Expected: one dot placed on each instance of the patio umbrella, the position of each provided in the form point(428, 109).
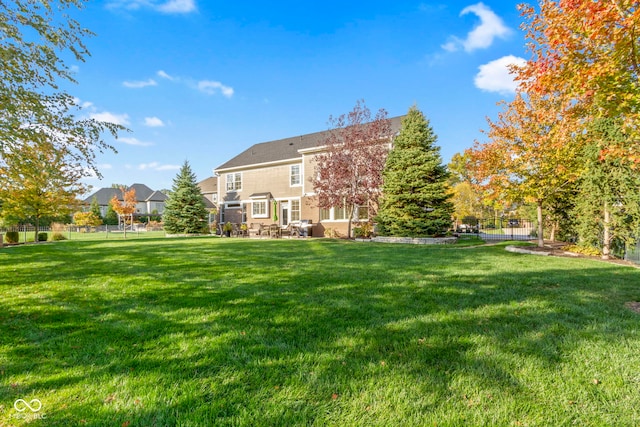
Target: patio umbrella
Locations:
point(275, 210)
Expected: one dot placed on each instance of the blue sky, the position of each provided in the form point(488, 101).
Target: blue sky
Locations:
point(203, 80)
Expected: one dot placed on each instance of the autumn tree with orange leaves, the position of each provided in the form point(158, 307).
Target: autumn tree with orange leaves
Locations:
point(584, 68)
point(586, 54)
point(529, 156)
point(125, 208)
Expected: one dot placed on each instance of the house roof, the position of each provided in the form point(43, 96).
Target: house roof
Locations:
point(285, 149)
point(143, 194)
point(208, 203)
point(104, 195)
point(209, 185)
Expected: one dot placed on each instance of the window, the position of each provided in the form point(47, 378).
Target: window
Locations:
point(295, 175)
point(363, 213)
point(295, 210)
point(339, 213)
point(325, 214)
point(234, 181)
point(259, 209)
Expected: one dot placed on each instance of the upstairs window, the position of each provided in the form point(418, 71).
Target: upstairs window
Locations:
point(295, 175)
point(234, 181)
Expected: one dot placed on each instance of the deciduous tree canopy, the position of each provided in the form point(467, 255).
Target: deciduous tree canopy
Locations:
point(349, 171)
point(34, 37)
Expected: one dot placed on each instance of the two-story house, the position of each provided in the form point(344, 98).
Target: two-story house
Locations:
point(270, 183)
point(149, 201)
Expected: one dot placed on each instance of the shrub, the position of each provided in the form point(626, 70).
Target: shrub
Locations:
point(583, 249)
point(58, 236)
point(42, 237)
point(363, 230)
point(12, 237)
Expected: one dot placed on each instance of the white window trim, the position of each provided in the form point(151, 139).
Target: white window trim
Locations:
point(266, 209)
point(234, 181)
point(299, 184)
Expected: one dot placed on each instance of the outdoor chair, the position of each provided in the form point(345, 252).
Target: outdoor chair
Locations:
point(274, 230)
point(289, 230)
point(254, 229)
point(264, 230)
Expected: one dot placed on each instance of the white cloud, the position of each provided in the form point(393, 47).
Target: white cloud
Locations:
point(155, 166)
point(211, 88)
point(168, 6)
point(118, 119)
point(153, 122)
point(483, 35)
point(134, 141)
point(140, 84)
point(164, 75)
point(177, 6)
point(495, 76)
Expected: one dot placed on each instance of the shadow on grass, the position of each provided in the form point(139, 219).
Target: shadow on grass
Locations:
point(196, 332)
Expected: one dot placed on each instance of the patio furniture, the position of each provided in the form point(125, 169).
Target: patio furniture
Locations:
point(274, 230)
point(290, 230)
point(305, 228)
point(254, 229)
point(264, 230)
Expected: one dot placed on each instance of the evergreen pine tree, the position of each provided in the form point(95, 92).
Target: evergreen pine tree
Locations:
point(95, 208)
point(414, 199)
point(185, 211)
point(110, 217)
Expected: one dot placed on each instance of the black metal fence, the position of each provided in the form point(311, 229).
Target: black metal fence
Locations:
point(498, 229)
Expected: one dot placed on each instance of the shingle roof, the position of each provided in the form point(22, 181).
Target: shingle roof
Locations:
point(143, 194)
point(104, 196)
point(285, 149)
point(209, 185)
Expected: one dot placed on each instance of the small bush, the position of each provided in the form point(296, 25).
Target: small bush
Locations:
point(582, 249)
point(363, 231)
point(12, 237)
point(58, 236)
point(42, 237)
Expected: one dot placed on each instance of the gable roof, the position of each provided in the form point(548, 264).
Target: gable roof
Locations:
point(143, 194)
point(209, 185)
point(285, 149)
point(104, 196)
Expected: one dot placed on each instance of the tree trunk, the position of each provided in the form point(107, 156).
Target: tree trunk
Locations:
point(540, 227)
point(350, 216)
point(36, 232)
point(606, 239)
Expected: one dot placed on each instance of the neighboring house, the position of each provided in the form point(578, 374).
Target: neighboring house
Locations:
point(149, 201)
point(209, 190)
point(270, 183)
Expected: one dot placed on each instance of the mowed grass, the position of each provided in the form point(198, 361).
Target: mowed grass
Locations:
point(238, 332)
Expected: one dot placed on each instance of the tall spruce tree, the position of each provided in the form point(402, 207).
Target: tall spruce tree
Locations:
point(414, 200)
point(185, 211)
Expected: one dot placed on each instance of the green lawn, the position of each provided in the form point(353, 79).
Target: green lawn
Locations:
point(209, 331)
